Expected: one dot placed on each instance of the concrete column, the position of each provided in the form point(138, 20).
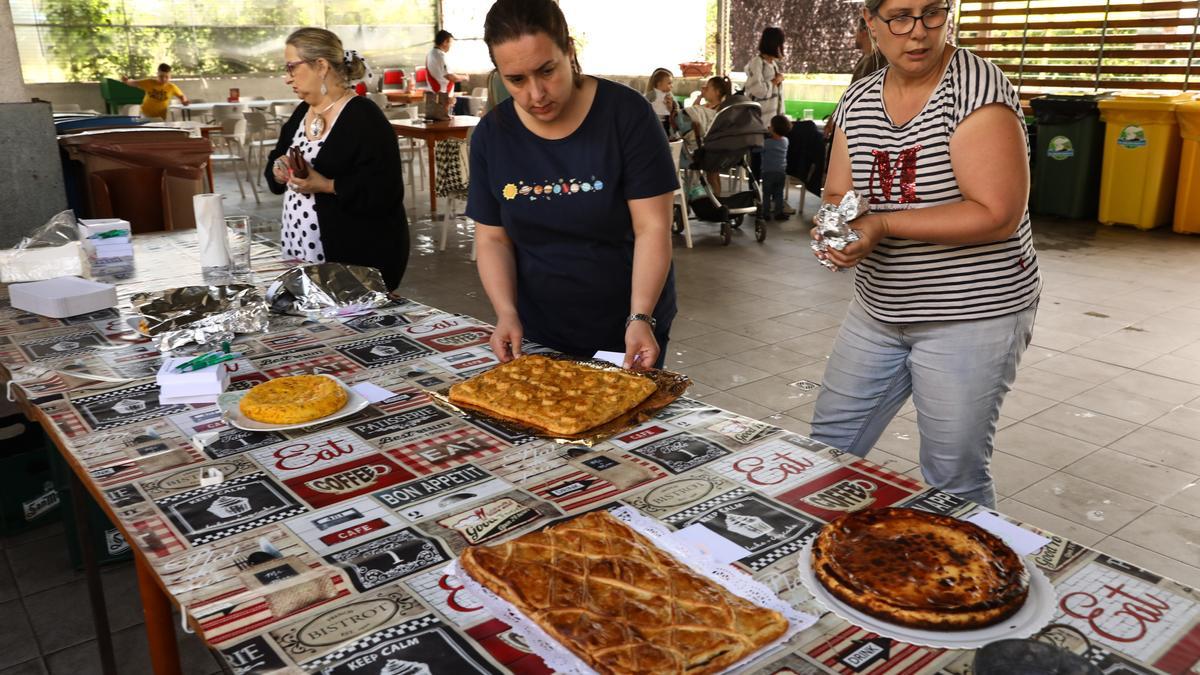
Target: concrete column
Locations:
point(12, 85)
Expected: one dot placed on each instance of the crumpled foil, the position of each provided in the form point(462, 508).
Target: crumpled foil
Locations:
point(205, 315)
point(833, 225)
point(327, 290)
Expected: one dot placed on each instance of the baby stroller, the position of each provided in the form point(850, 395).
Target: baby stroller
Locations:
point(736, 130)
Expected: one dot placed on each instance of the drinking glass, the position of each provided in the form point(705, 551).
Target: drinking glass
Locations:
point(238, 233)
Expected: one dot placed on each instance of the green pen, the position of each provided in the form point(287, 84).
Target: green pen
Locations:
point(109, 234)
point(202, 362)
point(205, 360)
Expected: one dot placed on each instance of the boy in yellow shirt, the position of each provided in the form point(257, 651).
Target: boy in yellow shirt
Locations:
point(158, 92)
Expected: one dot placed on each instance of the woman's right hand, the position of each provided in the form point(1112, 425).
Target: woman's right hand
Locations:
point(506, 338)
point(281, 170)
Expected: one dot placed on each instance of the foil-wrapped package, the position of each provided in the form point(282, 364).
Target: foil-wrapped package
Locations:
point(205, 315)
point(327, 290)
point(833, 225)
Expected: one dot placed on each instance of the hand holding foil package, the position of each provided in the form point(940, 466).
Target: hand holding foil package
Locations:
point(327, 290)
point(833, 225)
point(200, 314)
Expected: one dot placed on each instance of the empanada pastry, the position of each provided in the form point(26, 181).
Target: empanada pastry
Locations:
point(558, 396)
point(619, 603)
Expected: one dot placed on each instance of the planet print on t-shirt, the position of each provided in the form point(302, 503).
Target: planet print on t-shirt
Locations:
point(561, 188)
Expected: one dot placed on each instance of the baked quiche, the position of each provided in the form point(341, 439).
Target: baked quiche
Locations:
point(556, 395)
point(294, 399)
point(920, 569)
point(619, 603)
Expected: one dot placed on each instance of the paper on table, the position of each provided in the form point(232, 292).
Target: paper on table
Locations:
point(615, 358)
point(372, 392)
point(1021, 540)
point(210, 229)
point(714, 545)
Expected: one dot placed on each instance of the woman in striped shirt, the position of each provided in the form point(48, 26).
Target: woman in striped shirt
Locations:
point(946, 278)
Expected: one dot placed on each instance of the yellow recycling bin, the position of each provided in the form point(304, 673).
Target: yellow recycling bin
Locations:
point(1141, 159)
point(1187, 197)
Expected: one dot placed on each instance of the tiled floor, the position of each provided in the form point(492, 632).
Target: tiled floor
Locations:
point(1100, 439)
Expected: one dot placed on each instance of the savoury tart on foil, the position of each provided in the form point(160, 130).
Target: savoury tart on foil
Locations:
point(920, 570)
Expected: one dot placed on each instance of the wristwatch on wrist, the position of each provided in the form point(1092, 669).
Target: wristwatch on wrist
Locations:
point(641, 317)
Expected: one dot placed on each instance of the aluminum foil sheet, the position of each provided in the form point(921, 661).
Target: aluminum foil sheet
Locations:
point(327, 290)
point(204, 315)
point(833, 225)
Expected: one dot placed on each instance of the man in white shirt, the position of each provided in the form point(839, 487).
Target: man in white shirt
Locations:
point(437, 74)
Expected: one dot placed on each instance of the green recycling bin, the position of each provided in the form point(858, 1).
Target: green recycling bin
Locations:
point(1068, 152)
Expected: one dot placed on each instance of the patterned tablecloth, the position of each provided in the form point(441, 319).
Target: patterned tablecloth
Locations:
point(322, 549)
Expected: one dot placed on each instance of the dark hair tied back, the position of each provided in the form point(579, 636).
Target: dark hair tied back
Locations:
point(722, 84)
point(509, 20)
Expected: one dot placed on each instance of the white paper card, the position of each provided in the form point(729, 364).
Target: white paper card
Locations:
point(616, 358)
point(1018, 538)
point(714, 545)
point(372, 392)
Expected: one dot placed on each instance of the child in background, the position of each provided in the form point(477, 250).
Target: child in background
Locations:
point(774, 168)
point(658, 92)
point(701, 113)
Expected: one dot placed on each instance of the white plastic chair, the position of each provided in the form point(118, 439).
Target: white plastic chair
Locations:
point(680, 195)
point(451, 200)
point(412, 153)
point(281, 112)
point(259, 140)
point(131, 110)
point(788, 182)
point(232, 145)
point(226, 111)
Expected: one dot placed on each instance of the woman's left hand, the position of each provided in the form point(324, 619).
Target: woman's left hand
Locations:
point(871, 228)
point(315, 183)
point(641, 349)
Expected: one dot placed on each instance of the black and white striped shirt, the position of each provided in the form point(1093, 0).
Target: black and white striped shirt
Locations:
point(908, 167)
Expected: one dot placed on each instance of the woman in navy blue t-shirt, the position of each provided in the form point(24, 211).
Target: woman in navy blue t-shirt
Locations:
point(571, 185)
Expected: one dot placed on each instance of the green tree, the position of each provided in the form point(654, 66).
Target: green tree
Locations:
point(81, 36)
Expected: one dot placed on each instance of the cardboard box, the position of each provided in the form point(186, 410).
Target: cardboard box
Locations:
point(63, 297)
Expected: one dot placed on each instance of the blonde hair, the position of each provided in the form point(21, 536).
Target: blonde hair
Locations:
point(657, 76)
point(318, 43)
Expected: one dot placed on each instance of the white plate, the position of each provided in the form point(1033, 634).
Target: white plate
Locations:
point(1037, 611)
point(232, 412)
point(135, 324)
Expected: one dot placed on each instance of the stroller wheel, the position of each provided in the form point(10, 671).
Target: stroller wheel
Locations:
point(677, 222)
point(726, 233)
point(760, 230)
point(737, 220)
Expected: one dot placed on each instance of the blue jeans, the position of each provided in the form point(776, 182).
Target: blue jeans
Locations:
point(772, 185)
point(958, 373)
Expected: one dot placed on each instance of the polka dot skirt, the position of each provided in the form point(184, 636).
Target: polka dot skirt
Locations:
point(301, 233)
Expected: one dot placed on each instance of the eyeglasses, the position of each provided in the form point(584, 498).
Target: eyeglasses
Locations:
point(291, 65)
point(903, 25)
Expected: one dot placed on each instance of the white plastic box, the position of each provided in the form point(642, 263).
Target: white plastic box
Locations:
point(196, 386)
point(62, 297)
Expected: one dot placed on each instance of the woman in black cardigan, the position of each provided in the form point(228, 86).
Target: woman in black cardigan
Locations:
point(350, 206)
